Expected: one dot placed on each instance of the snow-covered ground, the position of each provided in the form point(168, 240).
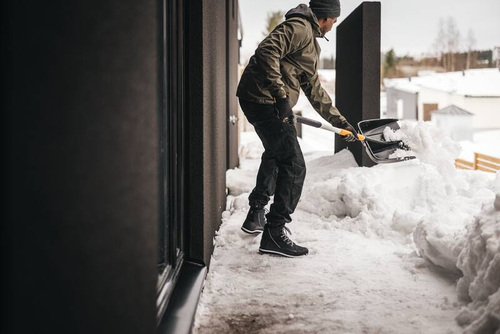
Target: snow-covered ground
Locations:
point(485, 142)
point(387, 245)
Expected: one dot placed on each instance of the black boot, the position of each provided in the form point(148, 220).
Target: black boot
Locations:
point(275, 241)
point(255, 221)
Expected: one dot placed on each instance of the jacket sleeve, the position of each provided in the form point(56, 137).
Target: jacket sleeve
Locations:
point(320, 100)
point(286, 38)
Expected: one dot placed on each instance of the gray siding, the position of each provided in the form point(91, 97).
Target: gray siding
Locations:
point(410, 103)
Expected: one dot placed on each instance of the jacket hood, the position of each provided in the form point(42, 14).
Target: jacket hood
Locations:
point(304, 11)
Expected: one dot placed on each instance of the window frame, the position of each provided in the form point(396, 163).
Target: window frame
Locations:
point(172, 162)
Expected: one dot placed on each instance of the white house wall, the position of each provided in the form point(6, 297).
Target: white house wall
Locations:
point(486, 110)
point(458, 127)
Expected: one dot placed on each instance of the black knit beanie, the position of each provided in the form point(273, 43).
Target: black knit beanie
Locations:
point(325, 8)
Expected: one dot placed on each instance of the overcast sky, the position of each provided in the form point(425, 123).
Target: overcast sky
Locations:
point(408, 26)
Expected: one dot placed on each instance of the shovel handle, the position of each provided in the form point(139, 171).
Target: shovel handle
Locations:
point(328, 127)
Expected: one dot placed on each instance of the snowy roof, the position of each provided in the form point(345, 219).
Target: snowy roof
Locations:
point(402, 84)
point(470, 83)
point(452, 110)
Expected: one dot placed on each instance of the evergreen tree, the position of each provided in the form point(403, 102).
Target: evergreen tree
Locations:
point(389, 65)
point(273, 19)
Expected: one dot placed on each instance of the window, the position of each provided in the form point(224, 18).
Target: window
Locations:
point(172, 151)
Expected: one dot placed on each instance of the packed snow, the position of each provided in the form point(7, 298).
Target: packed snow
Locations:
point(388, 245)
point(479, 261)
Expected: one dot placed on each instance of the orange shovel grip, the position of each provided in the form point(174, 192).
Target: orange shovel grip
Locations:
point(344, 132)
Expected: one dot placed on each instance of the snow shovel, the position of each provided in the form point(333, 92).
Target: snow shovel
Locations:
point(378, 149)
point(371, 135)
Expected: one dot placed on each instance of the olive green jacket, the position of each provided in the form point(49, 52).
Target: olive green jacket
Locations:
point(287, 61)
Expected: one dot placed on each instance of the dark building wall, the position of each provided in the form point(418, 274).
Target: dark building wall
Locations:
point(82, 106)
point(83, 109)
point(357, 92)
point(207, 107)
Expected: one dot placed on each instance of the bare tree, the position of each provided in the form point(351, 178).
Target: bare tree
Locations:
point(273, 19)
point(471, 44)
point(447, 42)
point(453, 41)
point(439, 45)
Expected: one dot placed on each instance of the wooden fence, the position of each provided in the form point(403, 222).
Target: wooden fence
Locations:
point(482, 162)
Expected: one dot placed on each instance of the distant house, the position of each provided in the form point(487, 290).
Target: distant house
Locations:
point(477, 91)
point(402, 100)
point(455, 121)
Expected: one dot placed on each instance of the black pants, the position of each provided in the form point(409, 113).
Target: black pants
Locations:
point(282, 170)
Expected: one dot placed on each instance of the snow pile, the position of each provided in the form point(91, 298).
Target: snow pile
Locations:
point(428, 143)
point(453, 197)
point(469, 249)
point(372, 201)
point(379, 286)
point(240, 181)
point(393, 201)
point(251, 147)
point(479, 262)
point(426, 199)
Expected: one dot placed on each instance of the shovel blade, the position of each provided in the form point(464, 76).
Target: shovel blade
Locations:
point(378, 149)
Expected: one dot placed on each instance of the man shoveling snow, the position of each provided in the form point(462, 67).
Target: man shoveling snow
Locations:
point(284, 62)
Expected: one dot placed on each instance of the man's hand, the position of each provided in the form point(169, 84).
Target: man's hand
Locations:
point(284, 109)
point(347, 126)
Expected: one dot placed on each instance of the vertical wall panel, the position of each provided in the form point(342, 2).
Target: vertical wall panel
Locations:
point(232, 83)
point(215, 121)
point(207, 118)
point(357, 92)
